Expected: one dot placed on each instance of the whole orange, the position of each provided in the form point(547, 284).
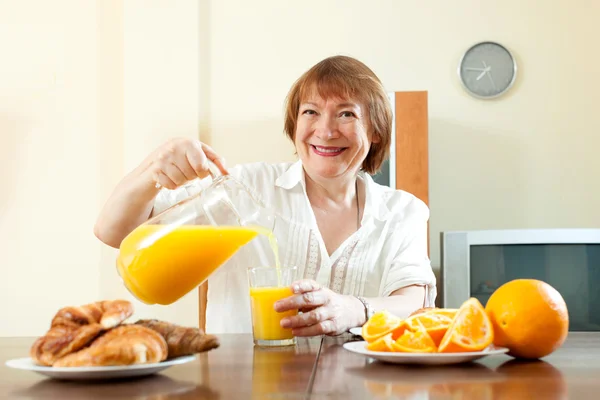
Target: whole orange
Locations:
point(529, 317)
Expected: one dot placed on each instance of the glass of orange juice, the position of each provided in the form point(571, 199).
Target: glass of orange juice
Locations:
point(268, 285)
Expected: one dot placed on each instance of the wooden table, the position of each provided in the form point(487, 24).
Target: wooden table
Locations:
point(322, 369)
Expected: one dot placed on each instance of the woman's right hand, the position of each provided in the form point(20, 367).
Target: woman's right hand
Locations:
point(181, 160)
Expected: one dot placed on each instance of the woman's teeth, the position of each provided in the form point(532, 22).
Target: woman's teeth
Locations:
point(329, 149)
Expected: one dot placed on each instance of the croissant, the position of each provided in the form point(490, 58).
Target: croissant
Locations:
point(73, 328)
point(181, 341)
point(123, 345)
point(108, 313)
point(62, 340)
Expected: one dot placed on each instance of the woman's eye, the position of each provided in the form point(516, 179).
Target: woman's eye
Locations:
point(309, 112)
point(347, 114)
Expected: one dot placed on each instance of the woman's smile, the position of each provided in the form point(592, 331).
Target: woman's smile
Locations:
point(327, 151)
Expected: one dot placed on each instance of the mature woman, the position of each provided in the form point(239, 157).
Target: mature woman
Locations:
point(359, 246)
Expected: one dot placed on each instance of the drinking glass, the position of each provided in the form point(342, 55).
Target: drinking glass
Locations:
point(268, 285)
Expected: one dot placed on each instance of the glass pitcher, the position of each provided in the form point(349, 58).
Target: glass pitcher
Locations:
point(177, 250)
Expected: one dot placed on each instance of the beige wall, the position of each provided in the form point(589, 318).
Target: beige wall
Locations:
point(48, 160)
point(88, 88)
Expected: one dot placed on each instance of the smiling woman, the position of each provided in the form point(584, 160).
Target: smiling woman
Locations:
point(358, 246)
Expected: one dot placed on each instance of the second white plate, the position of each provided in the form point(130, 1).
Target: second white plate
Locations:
point(356, 331)
point(422, 358)
point(94, 373)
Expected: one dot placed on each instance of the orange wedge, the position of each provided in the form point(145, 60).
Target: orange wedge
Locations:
point(422, 310)
point(471, 329)
point(446, 312)
point(384, 343)
point(380, 324)
point(414, 340)
point(435, 324)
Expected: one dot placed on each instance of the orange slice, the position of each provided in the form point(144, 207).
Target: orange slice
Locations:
point(414, 340)
point(471, 329)
point(380, 324)
point(384, 343)
point(422, 310)
point(399, 331)
point(434, 323)
point(446, 312)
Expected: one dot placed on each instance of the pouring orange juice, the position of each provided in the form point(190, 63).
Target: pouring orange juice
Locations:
point(177, 250)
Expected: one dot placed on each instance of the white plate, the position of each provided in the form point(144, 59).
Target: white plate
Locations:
point(422, 358)
point(89, 373)
point(356, 331)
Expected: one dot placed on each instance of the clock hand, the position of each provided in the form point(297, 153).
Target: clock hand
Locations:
point(485, 70)
point(491, 80)
point(474, 69)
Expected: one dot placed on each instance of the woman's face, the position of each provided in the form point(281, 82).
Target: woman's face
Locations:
point(332, 136)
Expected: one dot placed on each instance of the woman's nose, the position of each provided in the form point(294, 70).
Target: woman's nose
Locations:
point(327, 127)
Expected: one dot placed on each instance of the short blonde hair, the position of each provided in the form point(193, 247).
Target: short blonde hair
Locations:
point(346, 78)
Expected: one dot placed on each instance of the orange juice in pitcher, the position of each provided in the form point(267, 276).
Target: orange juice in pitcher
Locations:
point(177, 250)
point(178, 261)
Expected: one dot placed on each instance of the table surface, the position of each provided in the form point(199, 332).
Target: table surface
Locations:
point(321, 369)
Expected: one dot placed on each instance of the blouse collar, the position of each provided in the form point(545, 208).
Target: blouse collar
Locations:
point(376, 195)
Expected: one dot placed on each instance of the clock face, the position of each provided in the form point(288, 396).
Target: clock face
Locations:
point(487, 70)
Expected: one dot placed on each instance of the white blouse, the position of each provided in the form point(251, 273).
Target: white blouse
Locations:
point(388, 252)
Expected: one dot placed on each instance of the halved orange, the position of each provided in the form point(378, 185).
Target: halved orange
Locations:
point(384, 343)
point(415, 340)
point(380, 324)
point(471, 329)
point(435, 324)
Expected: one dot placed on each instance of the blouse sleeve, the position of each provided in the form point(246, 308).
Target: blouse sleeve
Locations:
point(411, 264)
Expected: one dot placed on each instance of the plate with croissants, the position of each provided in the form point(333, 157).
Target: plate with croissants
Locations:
point(94, 341)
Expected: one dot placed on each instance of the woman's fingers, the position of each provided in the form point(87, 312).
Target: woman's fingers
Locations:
point(186, 168)
point(197, 159)
point(215, 158)
point(302, 301)
point(164, 181)
point(327, 327)
point(173, 172)
point(182, 160)
point(313, 317)
point(305, 285)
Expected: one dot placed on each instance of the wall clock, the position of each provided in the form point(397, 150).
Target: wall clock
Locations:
point(487, 70)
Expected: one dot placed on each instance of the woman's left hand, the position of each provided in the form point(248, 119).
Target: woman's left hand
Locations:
point(324, 312)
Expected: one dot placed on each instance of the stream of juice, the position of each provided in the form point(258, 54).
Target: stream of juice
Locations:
point(274, 248)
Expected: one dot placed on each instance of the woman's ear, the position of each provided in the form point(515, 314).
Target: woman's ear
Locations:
point(375, 138)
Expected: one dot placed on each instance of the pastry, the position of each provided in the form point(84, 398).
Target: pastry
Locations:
point(62, 340)
point(181, 341)
point(109, 314)
point(123, 345)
